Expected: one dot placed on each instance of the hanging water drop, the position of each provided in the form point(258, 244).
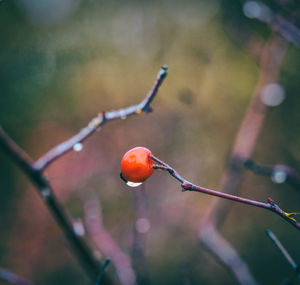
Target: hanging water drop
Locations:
point(134, 184)
point(77, 146)
point(130, 183)
point(123, 115)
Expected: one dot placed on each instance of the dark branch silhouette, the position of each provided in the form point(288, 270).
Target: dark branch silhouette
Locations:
point(279, 173)
point(99, 278)
point(284, 252)
point(260, 11)
point(83, 253)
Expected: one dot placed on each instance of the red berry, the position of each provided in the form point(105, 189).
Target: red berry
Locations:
point(136, 166)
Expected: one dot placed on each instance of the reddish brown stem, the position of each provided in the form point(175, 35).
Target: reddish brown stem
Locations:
point(100, 120)
point(188, 186)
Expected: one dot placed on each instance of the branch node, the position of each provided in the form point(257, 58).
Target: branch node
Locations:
point(163, 72)
point(146, 109)
point(186, 186)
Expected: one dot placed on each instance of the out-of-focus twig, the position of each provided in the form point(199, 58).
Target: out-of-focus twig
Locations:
point(79, 247)
point(100, 120)
point(104, 241)
point(284, 252)
point(245, 141)
point(12, 278)
point(141, 227)
point(226, 254)
point(260, 11)
point(279, 173)
point(99, 278)
point(188, 186)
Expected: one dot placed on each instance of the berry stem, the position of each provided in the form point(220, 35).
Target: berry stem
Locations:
point(188, 186)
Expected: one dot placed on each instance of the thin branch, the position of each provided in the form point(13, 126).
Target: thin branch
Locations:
point(79, 247)
point(284, 252)
point(104, 241)
point(141, 227)
point(260, 11)
point(188, 186)
point(100, 120)
point(279, 173)
point(12, 278)
point(226, 254)
point(99, 278)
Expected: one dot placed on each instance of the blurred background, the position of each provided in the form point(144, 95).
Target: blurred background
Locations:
point(63, 61)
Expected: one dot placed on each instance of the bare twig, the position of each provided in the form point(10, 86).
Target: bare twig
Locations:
point(188, 186)
point(104, 241)
point(100, 120)
point(260, 11)
point(141, 227)
point(12, 278)
point(226, 254)
point(279, 173)
point(45, 190)
point(34, 171)
point(284, 252)
point(99, 278)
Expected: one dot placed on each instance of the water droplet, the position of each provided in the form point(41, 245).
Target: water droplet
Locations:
point(123, 115)
point(142, 225)
point(134, 184)
point(279, 176)
point(272, 95)
point(77, 146)
point(78, 227)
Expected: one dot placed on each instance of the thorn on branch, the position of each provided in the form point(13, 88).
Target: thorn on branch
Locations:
point(186, 187)
point(271, 201)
